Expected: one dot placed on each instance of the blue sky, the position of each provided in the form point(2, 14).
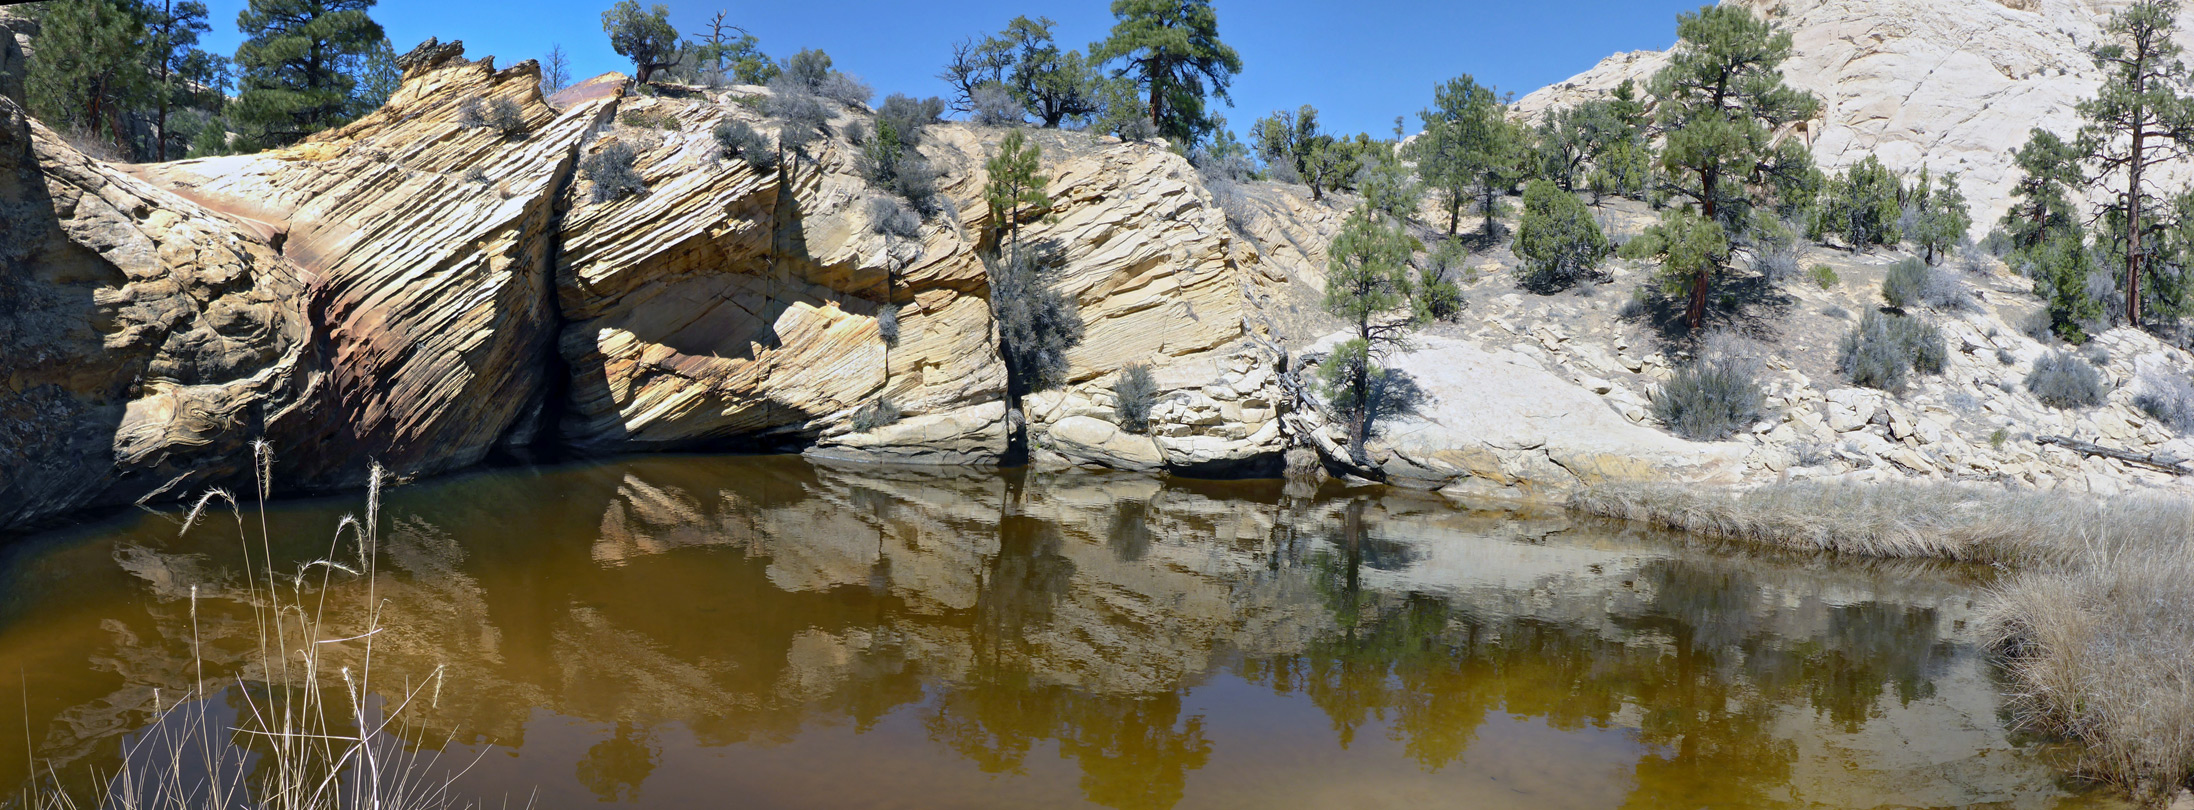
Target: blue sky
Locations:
point(1360, 63)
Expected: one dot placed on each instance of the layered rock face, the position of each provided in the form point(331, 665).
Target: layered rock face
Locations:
point(1952, 85)
point(426, 244)
point(422, 289)
point(148, 338)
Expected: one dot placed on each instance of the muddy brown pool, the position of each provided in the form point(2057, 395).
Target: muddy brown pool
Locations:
point(766, 632)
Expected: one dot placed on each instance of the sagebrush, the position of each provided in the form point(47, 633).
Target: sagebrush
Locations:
point(1134, 393)
point(1713, 397)
point(611, 170)
point(2064, 380)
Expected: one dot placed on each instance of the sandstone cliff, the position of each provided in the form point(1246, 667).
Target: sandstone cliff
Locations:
point(422, 294)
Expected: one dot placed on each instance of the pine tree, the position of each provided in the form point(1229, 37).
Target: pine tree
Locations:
point(1171, 49)
point(2140, 117)
point(1469, 151)
point(1721, 99)
point(1037, 325)
point(1559, 242)
point(1367, 282)
point(1686, 244)
point(376, 77)
point(1942, 219)
point(2062, 265)
point(293, 80)
point(89, 69)
point(1386, 182)
point(644, 36)
point(1016, 182)
point(178, 66)
point(2048, 167)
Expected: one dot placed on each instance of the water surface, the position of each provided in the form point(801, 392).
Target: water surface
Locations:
point(760, 632)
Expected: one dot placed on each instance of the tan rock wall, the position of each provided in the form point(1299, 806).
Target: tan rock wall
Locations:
point(146, 337)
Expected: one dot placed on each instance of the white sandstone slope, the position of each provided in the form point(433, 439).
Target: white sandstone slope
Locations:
point(1953, 85)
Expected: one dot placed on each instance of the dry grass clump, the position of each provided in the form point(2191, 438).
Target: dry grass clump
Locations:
point(1895, 520)
point(2102, 651)
point(2095, 626)
point(316, 730)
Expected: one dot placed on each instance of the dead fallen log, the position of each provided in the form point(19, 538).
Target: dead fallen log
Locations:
point(2149, 460)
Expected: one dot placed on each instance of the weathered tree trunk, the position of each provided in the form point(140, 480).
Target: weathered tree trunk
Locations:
point(1695, 313)
point(2149, 460)
point(2133, 226)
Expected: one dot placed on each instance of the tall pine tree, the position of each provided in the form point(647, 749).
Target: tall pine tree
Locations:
point(2140, 117)
point(1171, 49)
point(178, 65)
point(1469, 152)
point(294, 79)
point(89, 69)
point(1722, 100)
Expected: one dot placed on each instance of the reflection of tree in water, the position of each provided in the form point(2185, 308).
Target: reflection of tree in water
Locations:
point(1130, 536)
point(1870, 649)
point(1705, 672)
point(615, 768)
point(1019, 584)
point(1135, 751)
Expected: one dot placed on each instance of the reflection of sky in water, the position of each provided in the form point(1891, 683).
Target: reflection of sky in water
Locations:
point(697, 631)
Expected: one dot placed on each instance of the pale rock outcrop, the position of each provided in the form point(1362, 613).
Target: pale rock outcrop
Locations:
point(716, 307)
point(427, 245)
point(146, 338)
point(1501, 425)
point(1952, 85)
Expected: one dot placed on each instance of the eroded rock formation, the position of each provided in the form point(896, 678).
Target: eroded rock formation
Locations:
point(422, 291)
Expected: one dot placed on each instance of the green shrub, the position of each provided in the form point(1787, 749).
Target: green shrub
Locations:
point(1134, 393)
point(889, 159)
point(1712, 398)
point(879, 412)
point(1860, 207)
point(1884, 350)
point(2061, 379)
point(1558, 242)
point(1823, 276)
point(1996, 440)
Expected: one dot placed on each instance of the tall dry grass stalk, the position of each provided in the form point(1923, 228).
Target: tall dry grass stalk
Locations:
point(2093, 624)
point(312, 733)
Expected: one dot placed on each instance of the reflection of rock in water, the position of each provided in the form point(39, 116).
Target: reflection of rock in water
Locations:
point(746, 600)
